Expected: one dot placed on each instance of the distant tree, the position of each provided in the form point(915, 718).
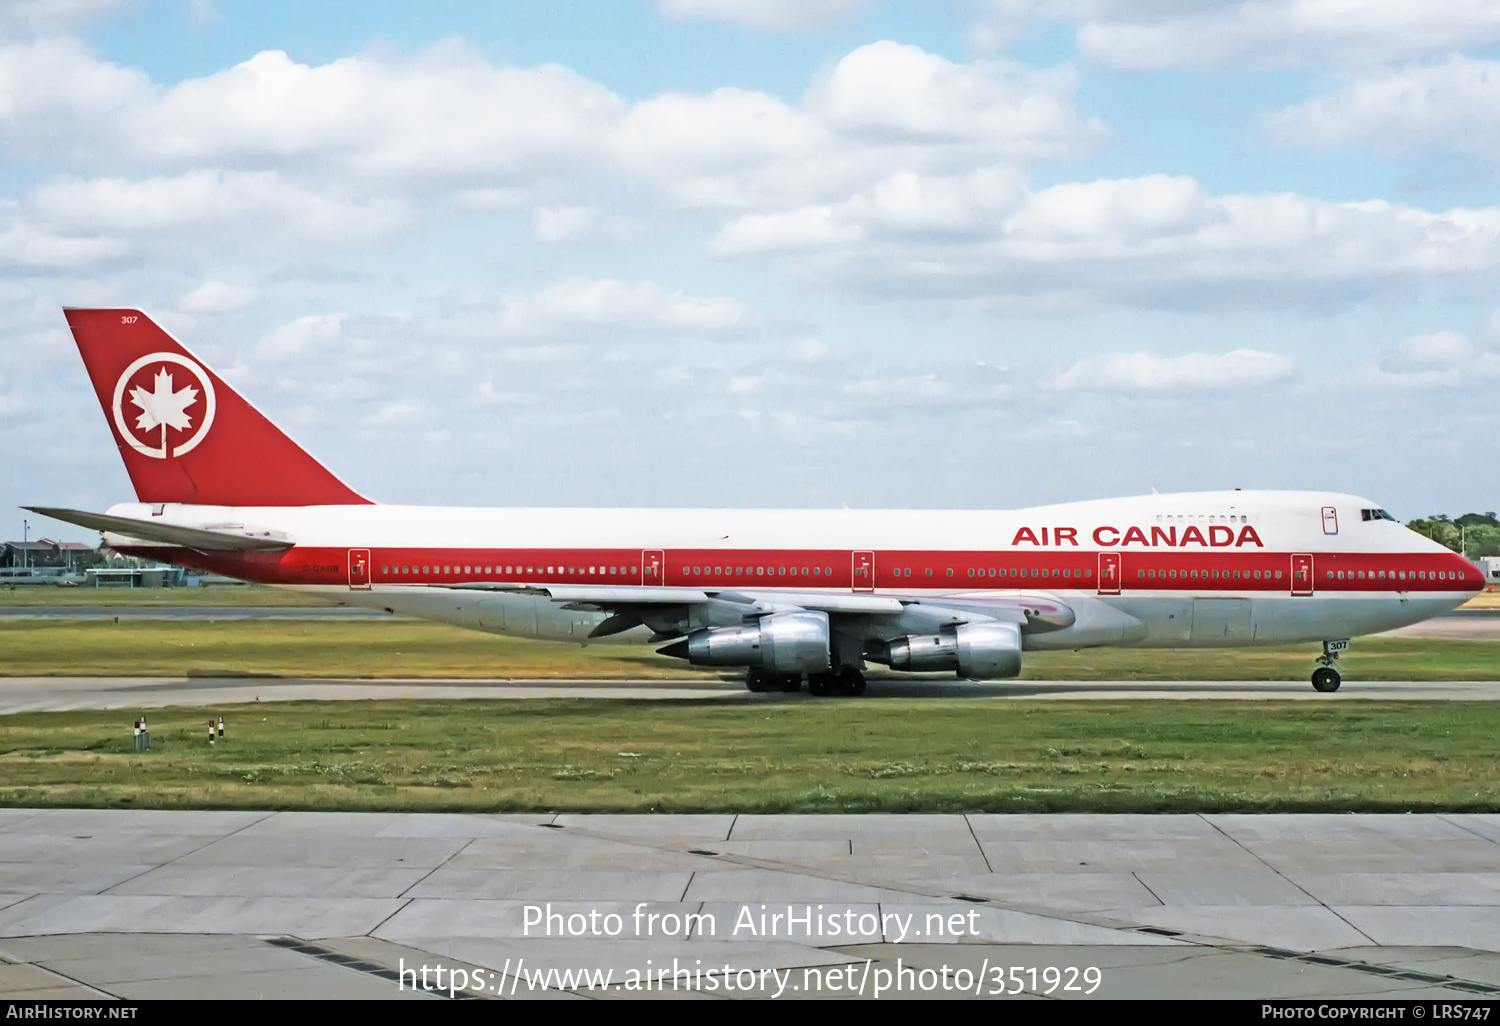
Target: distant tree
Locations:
point(1440, 529)
point(1483, 540)
point(1472, 520)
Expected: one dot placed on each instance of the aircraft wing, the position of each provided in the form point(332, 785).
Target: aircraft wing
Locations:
point(226, 538)
point(633, 606)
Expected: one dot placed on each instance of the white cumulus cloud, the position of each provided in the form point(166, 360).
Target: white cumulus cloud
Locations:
point(1451, 107)
point(210, 209)
point(42, 17)
point(1151, 34)
point(610, 304)
point(1146, 373)
point(1152, 239)
point(1279, 32)
point(1437, 360)
point(765, 15)
point(217, 297)
point(57, 78)
point(444, 113)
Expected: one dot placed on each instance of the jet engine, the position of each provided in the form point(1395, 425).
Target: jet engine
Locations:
point(781, 643)
point(978, 651)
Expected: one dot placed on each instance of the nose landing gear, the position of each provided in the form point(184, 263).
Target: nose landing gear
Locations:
point(1326, 677)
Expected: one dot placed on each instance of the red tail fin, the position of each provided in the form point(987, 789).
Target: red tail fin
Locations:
point(184, 434)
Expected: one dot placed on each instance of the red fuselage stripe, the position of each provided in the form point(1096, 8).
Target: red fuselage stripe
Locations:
point(947, 571)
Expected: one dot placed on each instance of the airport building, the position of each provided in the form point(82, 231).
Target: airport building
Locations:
point(44, 552)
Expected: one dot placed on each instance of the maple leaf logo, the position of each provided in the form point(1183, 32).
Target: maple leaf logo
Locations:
point(163, 407)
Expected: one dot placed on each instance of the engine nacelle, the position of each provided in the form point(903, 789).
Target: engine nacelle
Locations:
point(978, 651)
point(782, 643)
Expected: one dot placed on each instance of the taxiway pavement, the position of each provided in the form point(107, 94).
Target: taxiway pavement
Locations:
point(214, 905)
point(56, 694)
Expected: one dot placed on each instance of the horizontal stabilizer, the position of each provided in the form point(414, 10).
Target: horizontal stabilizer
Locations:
point(198, 538)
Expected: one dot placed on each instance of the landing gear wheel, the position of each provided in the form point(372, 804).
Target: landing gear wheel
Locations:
point(789, 682)
point(851, 682)
point(1326, 679)
point(760, 682)
point(820, 684)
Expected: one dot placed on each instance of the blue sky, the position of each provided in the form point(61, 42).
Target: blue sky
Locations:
point(724, 252)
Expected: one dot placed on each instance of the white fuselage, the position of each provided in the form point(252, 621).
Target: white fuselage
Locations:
point(1210, 569)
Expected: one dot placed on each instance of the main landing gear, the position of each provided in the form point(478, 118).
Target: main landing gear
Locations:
point(760, 681)
point(1326, 677)
point(847, 681)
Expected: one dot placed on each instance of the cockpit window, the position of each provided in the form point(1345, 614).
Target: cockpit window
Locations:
point(1375, 514)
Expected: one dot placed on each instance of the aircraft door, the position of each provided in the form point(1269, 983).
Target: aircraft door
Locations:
point(359, 569)
point(1302, 573)
point(862, 571)
point(1109, 573)
point(652, 568)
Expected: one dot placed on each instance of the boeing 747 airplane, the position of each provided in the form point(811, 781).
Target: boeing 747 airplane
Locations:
point(785, 594)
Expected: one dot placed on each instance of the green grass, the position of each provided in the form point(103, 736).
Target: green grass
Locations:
point(406, 648)
point(927, 755)
point(211, 595)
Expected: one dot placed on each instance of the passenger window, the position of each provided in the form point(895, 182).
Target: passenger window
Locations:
point(925, 573)
point(827, 570)
point(950, 571)
point(971, 571)
point(1278, 575)
point(804, 571)
point(781, 570)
